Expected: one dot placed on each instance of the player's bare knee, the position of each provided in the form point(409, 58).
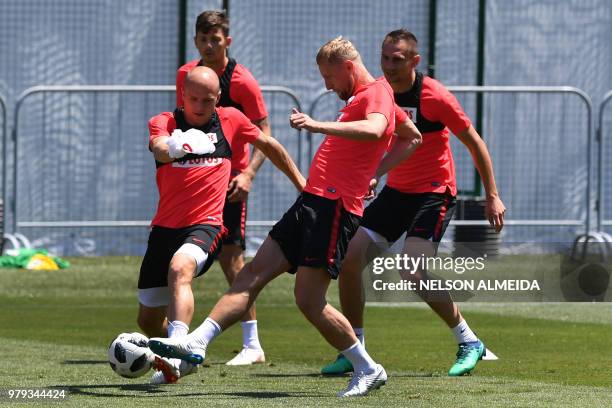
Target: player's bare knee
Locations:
point(351, 267)
point(181, 272)
point(310, 306)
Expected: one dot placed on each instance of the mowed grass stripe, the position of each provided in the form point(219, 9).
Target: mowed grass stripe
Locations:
point(407, 339)
point(91, 383)
point(56, 327)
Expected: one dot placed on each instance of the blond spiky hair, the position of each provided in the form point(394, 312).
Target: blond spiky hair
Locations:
point(336, 50)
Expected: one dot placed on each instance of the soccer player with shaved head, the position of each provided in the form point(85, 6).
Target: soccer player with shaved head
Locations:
point(311, 238)
point(192, 147)
point(419, 197)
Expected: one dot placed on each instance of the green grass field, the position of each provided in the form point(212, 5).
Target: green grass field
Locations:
point(55, 328)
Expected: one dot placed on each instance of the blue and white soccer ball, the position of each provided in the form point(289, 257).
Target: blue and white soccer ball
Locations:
point(129, 356)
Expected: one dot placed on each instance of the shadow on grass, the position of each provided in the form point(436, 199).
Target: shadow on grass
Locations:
point(83, 362)
point(347, 375)
point(98, 390)
point(150, 390)
point(413, 374)
point(300, 375)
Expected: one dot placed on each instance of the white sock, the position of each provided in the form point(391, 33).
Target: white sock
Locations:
point(359, 332)
point(463, 333)
point(250, 339)
point(205, 333)
point(177, 328)
point(359, 358)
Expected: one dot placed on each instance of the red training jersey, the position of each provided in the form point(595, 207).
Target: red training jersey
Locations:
point(193, 191)
point(342, 168)
point(431, 169)
point(244, 91)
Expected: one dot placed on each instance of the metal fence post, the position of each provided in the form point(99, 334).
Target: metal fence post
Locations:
point(600, 162)
point(4, 156)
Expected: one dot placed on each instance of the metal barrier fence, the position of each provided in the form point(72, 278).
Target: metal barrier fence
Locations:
point(4, 144)
point(589, 120)
point(601, 220)
point(271, 193)
point(4, 156)
point(91, 170)
point(320, 99)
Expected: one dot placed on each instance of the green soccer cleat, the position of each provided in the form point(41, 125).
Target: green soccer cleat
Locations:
point(467, 357)
point(338, 367)
point(175, 348)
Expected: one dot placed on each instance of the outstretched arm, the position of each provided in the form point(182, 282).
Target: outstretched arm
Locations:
point(371, 128)
point(495, 209)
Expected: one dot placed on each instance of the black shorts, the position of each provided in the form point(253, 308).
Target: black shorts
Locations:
point(315, 232)
point(234, 220)
point(164, 242)
point(424, 215)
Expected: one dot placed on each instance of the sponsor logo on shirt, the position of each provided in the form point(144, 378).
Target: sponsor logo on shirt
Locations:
point(212, 137)
point(198, 162)
point(411, 112)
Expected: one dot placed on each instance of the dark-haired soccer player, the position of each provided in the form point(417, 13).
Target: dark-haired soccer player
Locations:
point(240, 90)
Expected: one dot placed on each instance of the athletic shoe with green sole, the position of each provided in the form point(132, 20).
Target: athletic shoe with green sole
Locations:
point(467, 358)
point(176, 348)
point(338, 367)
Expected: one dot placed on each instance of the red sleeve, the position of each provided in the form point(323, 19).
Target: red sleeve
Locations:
point(245, 91)
point(448, 110)
point(379, 100)
point(161, 125)
point(180, 79)
point(400, 115)
point(243, 130)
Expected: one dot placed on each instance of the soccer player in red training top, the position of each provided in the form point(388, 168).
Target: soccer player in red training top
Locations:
point(192, 152)
point(419, 197)
point(240, 90)
point(311, 238)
